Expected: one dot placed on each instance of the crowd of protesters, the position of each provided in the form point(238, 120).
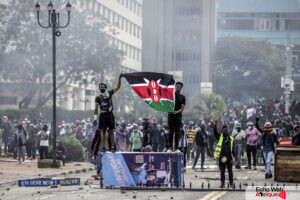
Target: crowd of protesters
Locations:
point(252, 136)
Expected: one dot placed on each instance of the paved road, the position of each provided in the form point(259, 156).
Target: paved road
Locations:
point(90, 188)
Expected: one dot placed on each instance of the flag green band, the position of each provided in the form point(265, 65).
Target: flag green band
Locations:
point(162, 105)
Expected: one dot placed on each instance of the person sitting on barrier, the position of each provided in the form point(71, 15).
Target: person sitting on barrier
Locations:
point(61, 153)
point(224, 152)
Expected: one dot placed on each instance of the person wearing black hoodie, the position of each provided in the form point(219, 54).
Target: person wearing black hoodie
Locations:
point(224, 152)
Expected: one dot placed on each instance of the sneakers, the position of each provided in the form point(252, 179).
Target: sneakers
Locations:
point(177, 151)
point(169, 151)
point(113, 150)
point(254, 168)
point(221, 186)
point(103, 149)
point(268, 176)
point(249, 167)
point(231, 186)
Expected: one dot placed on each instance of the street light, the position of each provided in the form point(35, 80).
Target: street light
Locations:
point(53, 22)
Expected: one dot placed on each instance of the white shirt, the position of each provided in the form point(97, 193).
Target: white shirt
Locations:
point(44, 142)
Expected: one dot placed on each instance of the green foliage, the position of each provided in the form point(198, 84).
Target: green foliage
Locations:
point(247, 68)
point(215, 106)
point(46, 163)
point(82, 50)
point(74, 149)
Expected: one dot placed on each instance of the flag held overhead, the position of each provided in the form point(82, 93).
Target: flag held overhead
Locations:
point(156, 89)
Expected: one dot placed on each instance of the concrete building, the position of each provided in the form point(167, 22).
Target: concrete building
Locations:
point(271, 20)
point(178, 38)
point(124, 17)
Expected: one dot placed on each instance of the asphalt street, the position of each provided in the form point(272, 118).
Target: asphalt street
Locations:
point(90, 188)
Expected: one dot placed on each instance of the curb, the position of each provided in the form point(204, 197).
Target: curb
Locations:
point(84, 170)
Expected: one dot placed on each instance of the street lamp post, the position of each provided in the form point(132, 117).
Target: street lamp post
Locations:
point(54, 23)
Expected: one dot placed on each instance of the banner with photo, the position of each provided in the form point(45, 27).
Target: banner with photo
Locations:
point(142, 169)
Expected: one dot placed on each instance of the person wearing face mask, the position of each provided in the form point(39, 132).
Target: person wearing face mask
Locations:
point(136, 139)
point(252, 136)
point(239, 136)
point(106, 117)
point(268, 140)
point(224, 152)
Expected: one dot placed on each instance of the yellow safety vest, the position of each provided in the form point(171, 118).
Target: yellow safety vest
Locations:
point(219, 146)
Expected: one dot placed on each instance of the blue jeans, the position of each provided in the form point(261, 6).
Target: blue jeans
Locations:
point(268, 158)
point(238, 148)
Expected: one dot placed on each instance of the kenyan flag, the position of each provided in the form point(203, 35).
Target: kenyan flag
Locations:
point(156, 89)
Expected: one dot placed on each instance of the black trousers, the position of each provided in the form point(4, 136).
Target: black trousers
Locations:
point(155, 147)
point(43, 150)
point(251, 150)
point(200, 150)
point(223, 167)
point(29, 147)
point(174, 127)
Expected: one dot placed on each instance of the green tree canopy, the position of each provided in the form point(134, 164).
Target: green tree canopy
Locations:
point(82, 50)
point(248, 68)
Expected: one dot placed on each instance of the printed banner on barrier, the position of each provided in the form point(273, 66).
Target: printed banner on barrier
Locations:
point(147, 169)
point(115, 171)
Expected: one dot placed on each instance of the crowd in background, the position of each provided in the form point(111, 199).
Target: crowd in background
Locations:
point(197, 138)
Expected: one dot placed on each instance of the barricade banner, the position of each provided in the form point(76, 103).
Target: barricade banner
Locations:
point(142, 169)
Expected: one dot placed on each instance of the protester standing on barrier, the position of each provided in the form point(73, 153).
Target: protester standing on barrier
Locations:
point(224, 152)
point(175, 118)
point(106, 117)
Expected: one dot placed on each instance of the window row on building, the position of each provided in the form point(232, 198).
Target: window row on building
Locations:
point(117, 20)
point(261, 22)
point(187, 55)
point(187, 36)
point(129, 50)
point(132, 5)
point(187, 11)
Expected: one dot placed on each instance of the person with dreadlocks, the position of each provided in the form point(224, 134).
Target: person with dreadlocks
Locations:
point(224, 152)
point(106, 117)
point(268, 139)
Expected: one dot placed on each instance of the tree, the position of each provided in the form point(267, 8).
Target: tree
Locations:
point(83, 51)
point(248, 68)
point(216, 106)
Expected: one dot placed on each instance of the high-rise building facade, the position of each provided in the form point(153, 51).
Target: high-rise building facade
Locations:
point(178, 38)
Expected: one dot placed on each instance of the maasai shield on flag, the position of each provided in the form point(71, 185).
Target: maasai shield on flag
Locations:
point(156, 89)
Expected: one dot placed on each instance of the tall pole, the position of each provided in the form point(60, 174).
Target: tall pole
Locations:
point(288, 75)
point(54, 164)
point(53, 22)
